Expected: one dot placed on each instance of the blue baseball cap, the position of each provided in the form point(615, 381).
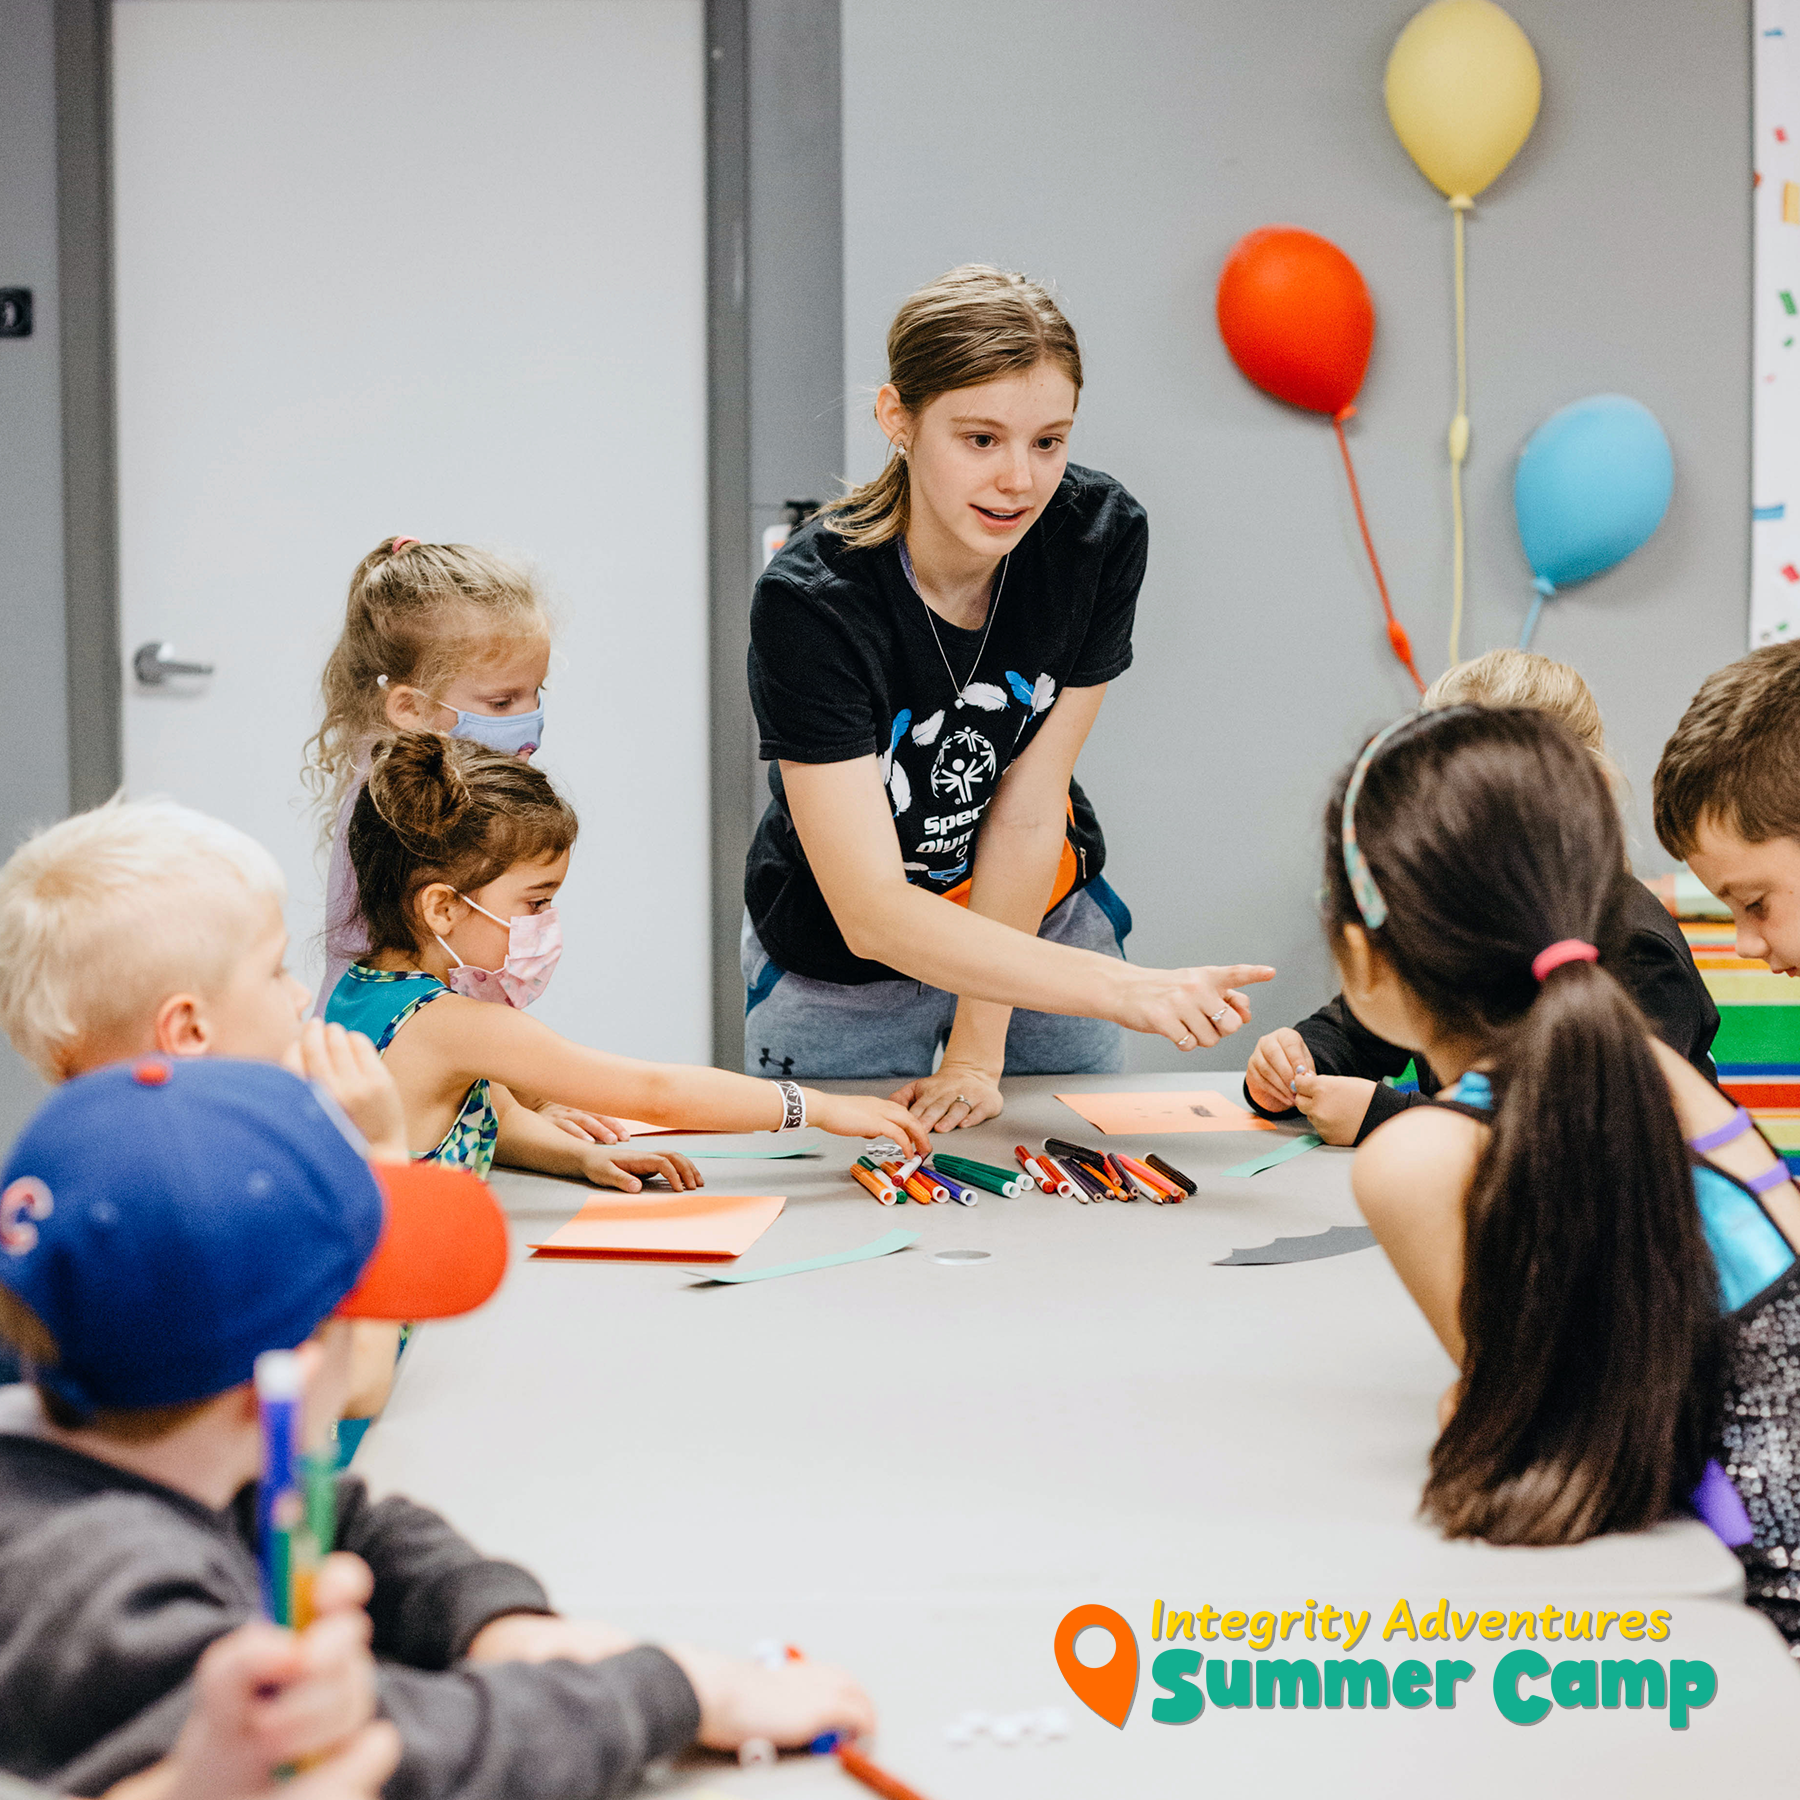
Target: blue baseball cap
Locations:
point(169, 1220)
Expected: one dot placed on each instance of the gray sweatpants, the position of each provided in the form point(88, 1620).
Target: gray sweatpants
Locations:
point(893, 1030)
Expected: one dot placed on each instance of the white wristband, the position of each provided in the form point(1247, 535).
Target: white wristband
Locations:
point(793, 1105)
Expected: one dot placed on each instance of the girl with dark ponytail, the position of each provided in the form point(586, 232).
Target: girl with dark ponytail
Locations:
point(1623, 1305)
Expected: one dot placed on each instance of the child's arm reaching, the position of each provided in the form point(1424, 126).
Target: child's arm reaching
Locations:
point(528, 1140)
point(455, 1041)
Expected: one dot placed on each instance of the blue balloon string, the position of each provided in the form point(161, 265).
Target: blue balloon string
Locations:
point(1531, 619)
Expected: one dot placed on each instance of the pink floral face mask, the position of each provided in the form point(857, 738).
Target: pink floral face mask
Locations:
point(533, 946)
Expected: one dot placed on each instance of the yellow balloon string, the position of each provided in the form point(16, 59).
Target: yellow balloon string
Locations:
point(1459, 433)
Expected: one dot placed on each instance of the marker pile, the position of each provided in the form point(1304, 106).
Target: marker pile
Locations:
point(927, 1181)
point(296, 1499)
point(1059, 1168)
point(1087, 1175)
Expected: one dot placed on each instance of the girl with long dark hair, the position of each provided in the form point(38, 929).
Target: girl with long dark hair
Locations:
point(1602, 1243)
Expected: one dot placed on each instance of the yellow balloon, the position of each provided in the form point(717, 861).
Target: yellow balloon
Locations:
point(1462, 92)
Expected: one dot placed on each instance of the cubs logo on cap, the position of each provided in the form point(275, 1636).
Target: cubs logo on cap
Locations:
point(166, 1231)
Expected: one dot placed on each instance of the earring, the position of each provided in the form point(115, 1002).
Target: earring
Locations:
point(899, 448)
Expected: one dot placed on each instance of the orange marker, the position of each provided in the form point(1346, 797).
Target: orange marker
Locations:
point(919, 1190)
point(1149, 1177)
point(1107, 1184)
point(1034, 1168)
point(877, 1781)
point(883, 1190)
point(1063, 1185)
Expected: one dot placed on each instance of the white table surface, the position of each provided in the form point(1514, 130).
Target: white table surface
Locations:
point(916, 1469)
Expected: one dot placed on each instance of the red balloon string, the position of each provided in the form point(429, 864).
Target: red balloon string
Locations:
point(1402, 644)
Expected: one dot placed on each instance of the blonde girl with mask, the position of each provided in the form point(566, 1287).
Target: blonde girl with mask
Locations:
point(926, 661)
point(459, 852)
point(436, 637)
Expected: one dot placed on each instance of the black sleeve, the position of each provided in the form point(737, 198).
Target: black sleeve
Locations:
point(1342, 1045)
point(433, 1589)
point(1672, 996)
point(536, 1731)
point(1106, 650)
point(809, 687)
point(1387, 1103)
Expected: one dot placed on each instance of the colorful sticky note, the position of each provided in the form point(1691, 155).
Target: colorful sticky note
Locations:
point(881, 1246)
point(665, 1227)
point(1777, 511)
point(1790, 203)
point(1790, 572)
point(1787, 303)
point(1118, 1115)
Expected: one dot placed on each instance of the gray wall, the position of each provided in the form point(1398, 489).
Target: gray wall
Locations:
point(33, 733)
point(1120, 152)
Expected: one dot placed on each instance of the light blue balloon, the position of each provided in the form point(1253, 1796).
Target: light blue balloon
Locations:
point(1593, 483)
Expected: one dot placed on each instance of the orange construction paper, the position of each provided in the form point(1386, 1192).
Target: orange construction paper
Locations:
point(666, 1227)
point(1119, 1115)
point(637, 1128)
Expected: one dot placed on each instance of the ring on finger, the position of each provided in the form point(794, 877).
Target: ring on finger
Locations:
point(1187, 1037)
point(1214, 1018)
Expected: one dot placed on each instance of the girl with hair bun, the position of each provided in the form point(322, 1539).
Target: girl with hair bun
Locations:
point(1602, 1243)
point(926, 661)
point(459, 852)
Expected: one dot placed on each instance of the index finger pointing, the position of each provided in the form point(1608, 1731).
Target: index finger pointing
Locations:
point(1243, 974)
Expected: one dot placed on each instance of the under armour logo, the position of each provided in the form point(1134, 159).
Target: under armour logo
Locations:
point(785, 1067)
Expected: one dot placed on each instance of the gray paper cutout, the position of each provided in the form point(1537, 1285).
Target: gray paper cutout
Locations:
point(1338, 1240)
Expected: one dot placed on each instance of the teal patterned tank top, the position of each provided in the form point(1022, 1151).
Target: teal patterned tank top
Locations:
point(377, 1002)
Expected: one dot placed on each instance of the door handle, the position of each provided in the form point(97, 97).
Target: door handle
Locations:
point(156, 664)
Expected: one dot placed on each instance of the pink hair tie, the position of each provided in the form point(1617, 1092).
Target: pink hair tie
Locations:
point(401, 544)
point(1568, 950)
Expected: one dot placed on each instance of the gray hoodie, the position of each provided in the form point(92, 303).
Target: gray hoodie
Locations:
point(111, 1586)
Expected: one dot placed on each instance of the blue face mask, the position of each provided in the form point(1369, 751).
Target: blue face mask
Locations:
point(512, 734)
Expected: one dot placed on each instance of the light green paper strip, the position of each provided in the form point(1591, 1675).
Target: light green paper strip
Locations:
point(1295, 1147)
point(882, 1246)
point(745, 1155)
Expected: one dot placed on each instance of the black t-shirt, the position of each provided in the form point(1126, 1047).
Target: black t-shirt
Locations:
point(843, 664)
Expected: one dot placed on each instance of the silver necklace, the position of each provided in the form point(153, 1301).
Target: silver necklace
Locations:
point(931, 618)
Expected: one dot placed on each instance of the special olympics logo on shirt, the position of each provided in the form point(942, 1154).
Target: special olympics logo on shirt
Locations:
point(965, 761)
point(22, 1203)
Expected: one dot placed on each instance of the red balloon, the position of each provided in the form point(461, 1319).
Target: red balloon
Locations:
point(1297, 318)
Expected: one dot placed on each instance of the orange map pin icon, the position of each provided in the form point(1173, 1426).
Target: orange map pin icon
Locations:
point(1109, 1689)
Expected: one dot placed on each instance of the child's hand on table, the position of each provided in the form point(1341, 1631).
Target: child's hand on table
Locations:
point(592, 1128)
point(542, 1637)
point(1277, 1059)
point(631, 1170)
point(958, 1094)
point(345, 1065)
point(1335, 1105)
point(789, 1706)
point(864, 1116)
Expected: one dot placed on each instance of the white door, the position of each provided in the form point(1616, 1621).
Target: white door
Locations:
point(433, 267)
